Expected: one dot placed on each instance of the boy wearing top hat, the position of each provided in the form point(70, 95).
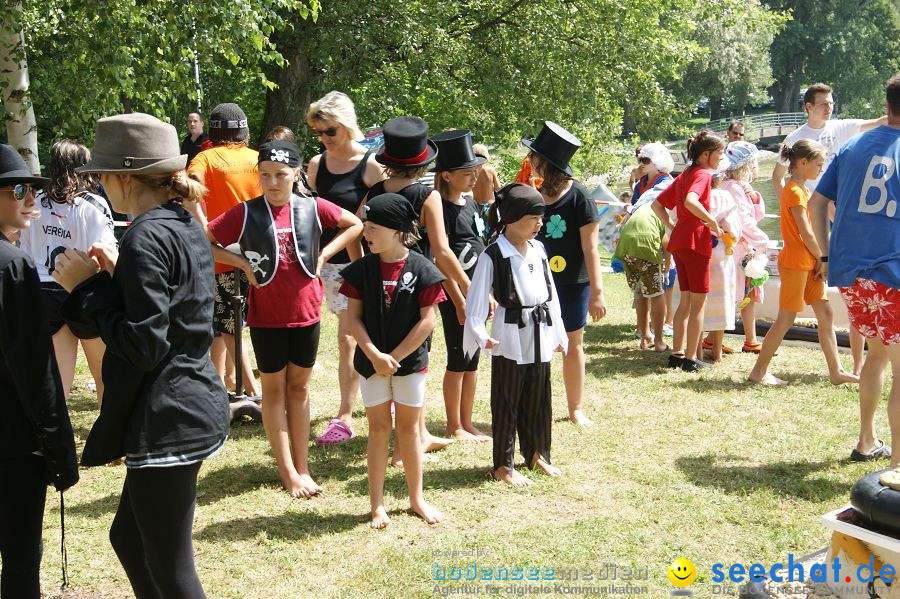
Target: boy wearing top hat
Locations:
point(570, 238)
point(456, 172)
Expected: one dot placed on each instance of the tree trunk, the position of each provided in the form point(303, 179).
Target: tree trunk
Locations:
point(628, 125)
point(21, 126)
point(287, 103)
point(787, 86)
point(715, 108)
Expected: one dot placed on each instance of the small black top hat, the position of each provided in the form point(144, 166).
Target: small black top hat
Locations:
point(554, 144)
point(13, 169)
point(406, 143)
point(456, 151)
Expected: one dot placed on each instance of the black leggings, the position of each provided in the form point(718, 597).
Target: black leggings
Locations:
point(23, 491)
point(151, 532)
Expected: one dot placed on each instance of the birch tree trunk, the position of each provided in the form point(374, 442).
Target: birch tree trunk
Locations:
point(21, 127)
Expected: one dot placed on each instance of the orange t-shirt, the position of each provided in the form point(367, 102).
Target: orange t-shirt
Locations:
point(795, 254)
point(231, 177)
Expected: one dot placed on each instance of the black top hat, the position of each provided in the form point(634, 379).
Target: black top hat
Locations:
point(13, 169)
point(554, 144)
point(456, 151)
point(406, 143)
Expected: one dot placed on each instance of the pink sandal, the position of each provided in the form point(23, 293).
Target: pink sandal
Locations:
point(337, 432)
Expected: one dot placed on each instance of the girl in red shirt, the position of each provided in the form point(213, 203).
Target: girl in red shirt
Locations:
point(690, 243)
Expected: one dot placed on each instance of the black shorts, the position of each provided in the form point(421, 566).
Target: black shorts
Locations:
point(274, 348)
point(53, 296)
point(453, 339)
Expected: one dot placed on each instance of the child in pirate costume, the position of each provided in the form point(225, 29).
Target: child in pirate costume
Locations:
point(456, 173)
point(279, 234)
point(392, 295)
point(527, 329)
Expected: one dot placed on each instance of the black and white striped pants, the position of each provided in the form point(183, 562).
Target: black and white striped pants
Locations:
point(520, 401)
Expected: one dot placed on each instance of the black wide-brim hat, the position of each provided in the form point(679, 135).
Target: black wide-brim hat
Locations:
point(455, 151)
point(13, 169)
point(406, 144)
point(555, 145)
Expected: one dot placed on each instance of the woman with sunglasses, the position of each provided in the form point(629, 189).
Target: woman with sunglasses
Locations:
point(342, 174)
point(72, 215)
point(655, 162)
point(36, 441)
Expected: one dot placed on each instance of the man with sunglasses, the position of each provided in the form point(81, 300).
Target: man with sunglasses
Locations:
point(37, 447)
point(736, 131)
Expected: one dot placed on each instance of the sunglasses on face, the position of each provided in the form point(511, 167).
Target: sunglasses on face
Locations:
point(20, 190)
point(644, 160)
point(738, 133)
point(330, 132)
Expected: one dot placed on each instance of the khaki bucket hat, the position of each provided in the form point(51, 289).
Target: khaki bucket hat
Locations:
point(134, 144)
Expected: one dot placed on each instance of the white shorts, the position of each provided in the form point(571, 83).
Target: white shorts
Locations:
point(331, 279)
point(408, 390)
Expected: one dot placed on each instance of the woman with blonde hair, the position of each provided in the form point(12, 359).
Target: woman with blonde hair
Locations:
point(488, 182)
point(152, 304)
point(342, 174)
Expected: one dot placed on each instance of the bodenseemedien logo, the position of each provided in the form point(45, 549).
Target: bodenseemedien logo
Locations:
point(682, 573)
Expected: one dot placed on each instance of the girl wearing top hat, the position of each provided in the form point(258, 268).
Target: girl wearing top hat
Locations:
point(456, 172)
point(570, 238)
point(280, 236)
point(165, 407)
point(406, 154)
point(526, 331)
point(392, 293)
point(37, 447)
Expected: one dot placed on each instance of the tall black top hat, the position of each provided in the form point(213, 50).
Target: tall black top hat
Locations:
point(406, 143)
point(456, 151)
point(13, 169)
point(554, 144)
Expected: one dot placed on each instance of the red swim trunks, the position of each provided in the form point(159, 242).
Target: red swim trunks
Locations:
point(874, 310)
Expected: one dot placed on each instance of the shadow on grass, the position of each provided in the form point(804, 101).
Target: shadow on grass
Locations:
point(96, 508)
point(434, 478)
point(292, 525)
point(791, 479)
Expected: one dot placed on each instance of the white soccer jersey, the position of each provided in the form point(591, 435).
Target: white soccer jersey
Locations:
point(60, 227)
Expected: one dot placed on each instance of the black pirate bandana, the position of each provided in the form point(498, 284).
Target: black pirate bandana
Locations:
point(280, 151)
point(390, 210)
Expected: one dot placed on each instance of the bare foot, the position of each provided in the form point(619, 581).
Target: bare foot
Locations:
point(427, 513)
point(767, 379)
point(436, 443)
point(843, 377)
point(462, 435)
point(510, 477)
point(578, 417)
point(646, 342)
point(546, 468)
point(396, 462)
point(480, 437)
point(661, 347)
point(301, 486)
point(379, 518)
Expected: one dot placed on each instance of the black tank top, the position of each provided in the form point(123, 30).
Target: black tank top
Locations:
point(346, 190)
point(416, 193)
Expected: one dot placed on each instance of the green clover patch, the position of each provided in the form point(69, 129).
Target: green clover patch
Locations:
point(556, 226)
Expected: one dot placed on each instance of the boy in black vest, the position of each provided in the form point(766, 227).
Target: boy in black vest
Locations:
point(527, 330)
point(393, 295)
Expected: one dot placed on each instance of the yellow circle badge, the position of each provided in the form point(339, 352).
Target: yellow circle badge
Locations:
point(682, 572)
point(557, 264)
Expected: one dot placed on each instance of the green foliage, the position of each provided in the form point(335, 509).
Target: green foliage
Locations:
point(93, 58)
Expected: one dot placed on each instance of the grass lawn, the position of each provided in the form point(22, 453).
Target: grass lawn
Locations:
point(702, 466)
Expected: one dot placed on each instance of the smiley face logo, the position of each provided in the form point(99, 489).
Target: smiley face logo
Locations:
point(682, 572)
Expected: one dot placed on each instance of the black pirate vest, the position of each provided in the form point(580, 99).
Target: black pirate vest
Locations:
point(504, 291)
point(259, 241)
point(388, 330)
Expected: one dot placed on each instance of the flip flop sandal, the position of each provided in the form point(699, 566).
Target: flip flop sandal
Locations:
point(751, 348)
point(337, 432)
point(881, 451)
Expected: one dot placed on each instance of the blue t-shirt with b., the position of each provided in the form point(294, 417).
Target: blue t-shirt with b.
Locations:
point(864, 182)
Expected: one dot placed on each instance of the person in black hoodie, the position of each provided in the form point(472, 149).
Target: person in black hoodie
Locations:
point(37, 446)
point(165, 407)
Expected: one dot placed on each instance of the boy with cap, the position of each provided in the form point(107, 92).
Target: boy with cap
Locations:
point(393, 294)
point(279, 235)
point(527, 329)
